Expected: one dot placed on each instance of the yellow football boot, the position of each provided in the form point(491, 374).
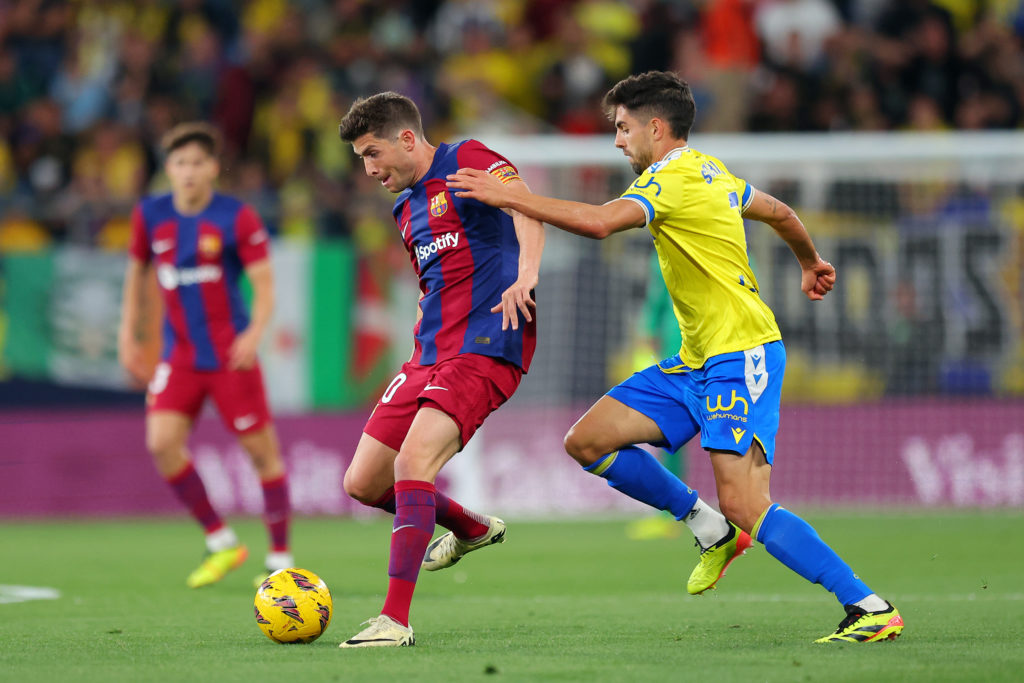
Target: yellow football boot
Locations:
point(866, 627)
point(215, 566)
point(716, 559)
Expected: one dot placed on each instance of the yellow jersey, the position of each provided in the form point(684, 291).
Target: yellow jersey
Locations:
point(693, 207)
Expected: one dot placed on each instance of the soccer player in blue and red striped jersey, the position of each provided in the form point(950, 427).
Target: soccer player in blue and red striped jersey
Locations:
point(477, 267)
point(200, 242)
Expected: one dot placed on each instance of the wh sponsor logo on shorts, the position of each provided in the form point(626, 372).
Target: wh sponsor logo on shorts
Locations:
point(445, 241)
point(720, 406)
point(172, 278)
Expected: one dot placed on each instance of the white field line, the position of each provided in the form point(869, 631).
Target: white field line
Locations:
point(12, 594)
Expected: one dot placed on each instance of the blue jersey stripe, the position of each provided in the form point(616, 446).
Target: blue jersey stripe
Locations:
point(225, 217)
point(433, 316)
point(644, 204)
point(748, 194)
point(192, 296)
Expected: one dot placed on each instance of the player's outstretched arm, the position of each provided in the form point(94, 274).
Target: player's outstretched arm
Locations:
point(588, 220)
point(819, 276)
point(244, 349)
point(516, 299)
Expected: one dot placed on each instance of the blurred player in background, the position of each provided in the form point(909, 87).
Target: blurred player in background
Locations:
point(200, 242)
point(477, 268)
point(726, 381)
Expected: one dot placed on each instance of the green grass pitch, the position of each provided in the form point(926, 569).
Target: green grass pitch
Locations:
point(559, 601)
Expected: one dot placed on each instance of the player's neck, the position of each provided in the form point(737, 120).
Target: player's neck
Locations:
point(424, 160)
point(663, 147)
point(190, 206)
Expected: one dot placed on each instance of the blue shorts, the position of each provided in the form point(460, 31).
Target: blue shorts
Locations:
point(731, 401)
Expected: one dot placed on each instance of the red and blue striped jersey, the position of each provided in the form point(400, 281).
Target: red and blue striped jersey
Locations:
point(466, 254)
point(198, 261)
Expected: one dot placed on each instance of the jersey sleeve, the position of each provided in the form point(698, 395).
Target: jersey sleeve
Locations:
point(253, 241)
point(746, 193)
point(473, 154)
point(138, 244)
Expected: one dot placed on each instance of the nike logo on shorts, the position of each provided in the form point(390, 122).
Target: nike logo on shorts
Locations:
point(243, 423)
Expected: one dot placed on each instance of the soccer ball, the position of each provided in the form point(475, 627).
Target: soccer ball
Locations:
point(293, 606)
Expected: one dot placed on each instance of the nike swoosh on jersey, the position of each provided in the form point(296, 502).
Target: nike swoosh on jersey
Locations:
point(431, 386)
point(160, 246)
point(405, 228)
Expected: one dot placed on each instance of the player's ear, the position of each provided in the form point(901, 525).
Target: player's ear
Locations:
point(658, 128)
point(407, 138)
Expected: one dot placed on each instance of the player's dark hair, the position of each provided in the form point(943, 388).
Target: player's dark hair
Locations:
point(660, 94)
point(384, 115)
point(207, 136)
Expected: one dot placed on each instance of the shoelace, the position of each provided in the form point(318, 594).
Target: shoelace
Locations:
point(703, 551)
point(850, 620)
point(448, 545)
point(376, 623)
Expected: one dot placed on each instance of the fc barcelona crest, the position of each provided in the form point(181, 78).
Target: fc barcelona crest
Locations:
point(438, 204)
point(209, 245)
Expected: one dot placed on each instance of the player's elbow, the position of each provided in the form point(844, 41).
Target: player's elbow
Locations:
point(597, 229)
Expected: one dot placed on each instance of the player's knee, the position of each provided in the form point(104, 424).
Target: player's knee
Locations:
point(360, 489)
point(162, 446)
point(740, 509)
point(580, 447)
point(416, 463)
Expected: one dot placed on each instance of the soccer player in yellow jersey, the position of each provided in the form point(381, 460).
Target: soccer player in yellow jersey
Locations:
point(726, 381)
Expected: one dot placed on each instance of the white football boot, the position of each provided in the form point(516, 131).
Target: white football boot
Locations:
point(444, 551)
point(383, 631)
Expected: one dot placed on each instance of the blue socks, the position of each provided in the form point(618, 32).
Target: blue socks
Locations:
point(640, 476)
point(796, 544)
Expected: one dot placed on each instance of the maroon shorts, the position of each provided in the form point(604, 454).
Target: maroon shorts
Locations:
point(238, 394)
point(467, 387)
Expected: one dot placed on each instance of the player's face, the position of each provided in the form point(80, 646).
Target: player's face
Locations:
point(633, 137)
point(192, 171)
point(386, 160)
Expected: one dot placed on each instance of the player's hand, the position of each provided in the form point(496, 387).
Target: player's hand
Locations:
point(242, 354)
point(131, 357)
point(818, 280)
point(472, 183)
point(515, 300)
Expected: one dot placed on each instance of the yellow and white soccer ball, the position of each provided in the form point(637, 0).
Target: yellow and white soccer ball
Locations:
point(293, 606)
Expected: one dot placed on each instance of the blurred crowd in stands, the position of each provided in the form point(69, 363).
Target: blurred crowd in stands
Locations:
point(87, 88)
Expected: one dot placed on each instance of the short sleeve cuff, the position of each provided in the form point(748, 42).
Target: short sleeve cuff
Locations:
point(644, 204)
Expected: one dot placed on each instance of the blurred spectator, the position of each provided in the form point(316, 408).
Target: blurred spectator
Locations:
point(18, 232)
point(83, 95)
point(794, 32)
point(15, 86)
point(731, 52)
point(88, 88)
